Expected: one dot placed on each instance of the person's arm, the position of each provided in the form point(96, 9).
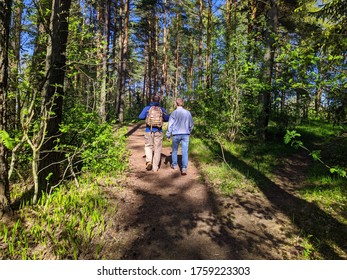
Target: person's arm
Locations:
point(166, 116)
point(191, 123)
point(144, 113)
point(169, 126)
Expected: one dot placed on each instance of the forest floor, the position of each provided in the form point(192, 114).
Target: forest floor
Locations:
point(164, 215)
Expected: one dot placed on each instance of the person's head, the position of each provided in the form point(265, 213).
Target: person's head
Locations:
point(155, 98)
point(179, 102)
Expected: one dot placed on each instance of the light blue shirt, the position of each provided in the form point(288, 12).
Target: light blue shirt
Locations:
point(180, 122)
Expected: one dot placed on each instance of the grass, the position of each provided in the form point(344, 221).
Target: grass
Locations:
point(247, 162)
point(215, 170)
point(315, 129)
point(328, 191)
point(63, 225)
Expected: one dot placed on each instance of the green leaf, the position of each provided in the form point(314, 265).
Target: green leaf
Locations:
point(339, 171)
point(6, 140)
point(48, 177)
point(315, 155)
point(290, 136)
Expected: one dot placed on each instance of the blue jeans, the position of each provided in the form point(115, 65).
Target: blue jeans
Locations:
point(184, 140)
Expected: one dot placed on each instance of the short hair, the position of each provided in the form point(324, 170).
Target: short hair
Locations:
point(179, 102)
point(155, 98)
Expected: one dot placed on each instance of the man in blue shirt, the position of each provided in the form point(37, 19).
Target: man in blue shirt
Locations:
point(153, 137)
point(180, 126)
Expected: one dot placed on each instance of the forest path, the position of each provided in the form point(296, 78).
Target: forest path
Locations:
point(164, 215)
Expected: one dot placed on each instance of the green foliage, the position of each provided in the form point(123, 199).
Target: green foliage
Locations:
point(316, 155)
point(215, 170)
point(291, 137)
point(338, 170)
point(329, 192)
point(6, 140)
point(61, 226)
point(308, 248)
point(106, 152)
point(94, 146)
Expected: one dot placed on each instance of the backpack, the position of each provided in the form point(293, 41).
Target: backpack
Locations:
point(155, 117)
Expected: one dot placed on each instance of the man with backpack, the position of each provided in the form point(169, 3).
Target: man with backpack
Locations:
point(154, 115)
point(180, 126)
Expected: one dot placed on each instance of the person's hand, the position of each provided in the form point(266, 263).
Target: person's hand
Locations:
point(168, 139)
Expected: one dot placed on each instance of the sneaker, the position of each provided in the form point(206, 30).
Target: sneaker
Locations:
point(148, 166)
point(174, 167)
point(184, 171)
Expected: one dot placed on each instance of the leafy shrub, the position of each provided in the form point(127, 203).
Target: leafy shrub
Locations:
point(91, 145)
point(106, 152)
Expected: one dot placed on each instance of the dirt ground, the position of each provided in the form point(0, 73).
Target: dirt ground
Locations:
point(164, 215)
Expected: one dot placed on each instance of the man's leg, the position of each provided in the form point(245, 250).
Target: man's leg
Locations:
point(175, 143)
point(157, 146)
point(185, 145)
point(149, 149)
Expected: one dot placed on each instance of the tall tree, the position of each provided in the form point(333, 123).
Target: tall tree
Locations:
point(123, 54)
point(5, 17)
point(201, 39)
point(104, 56)
point(177, 54)
point(209, 31)
point(164, 82)
point(53, 90)
point(14, 116)
point(269, 58)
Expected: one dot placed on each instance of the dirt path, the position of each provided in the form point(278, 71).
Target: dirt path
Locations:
point(163, 215)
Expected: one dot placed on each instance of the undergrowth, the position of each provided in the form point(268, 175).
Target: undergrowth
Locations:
point(67, 224)
point(69, 221)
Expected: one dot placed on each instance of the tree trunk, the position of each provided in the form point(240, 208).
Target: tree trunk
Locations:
point(319, 90)
point(208, 46)
point(53, 91)
point(156, 53)
point(104, 54)
point(5, 17)
point(269, 55)
point(113, 68)
point(37, 79)
point(164, 83)
point(228, 34)
point(15, 62)
point(122, 55)
point(177, 55)
point(251, 31)
point(119, 65)
point(99, 23)
point(191, 65)
point(150, 59)
point(144, 86)
point(201, 28)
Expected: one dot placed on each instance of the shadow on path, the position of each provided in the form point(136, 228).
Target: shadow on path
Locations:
point(307, 216)
point(168, 216)
point(174, 227)
point(133, 129)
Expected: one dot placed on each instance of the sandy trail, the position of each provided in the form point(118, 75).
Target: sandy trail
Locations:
point(164, 215)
